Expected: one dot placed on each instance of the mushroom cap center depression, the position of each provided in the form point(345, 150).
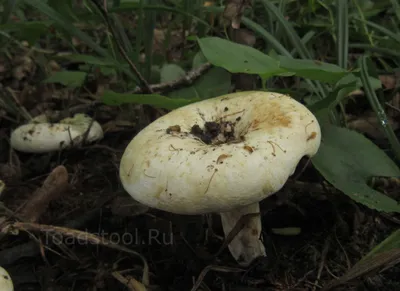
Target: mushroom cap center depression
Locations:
point(220, 153)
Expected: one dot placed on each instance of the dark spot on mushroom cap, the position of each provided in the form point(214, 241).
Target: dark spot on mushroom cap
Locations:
point(212, 128)
point(173, 128)
point(226, 109)
point(196, 130)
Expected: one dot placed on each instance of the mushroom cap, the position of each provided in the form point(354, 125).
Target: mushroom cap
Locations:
point(6, 283)
point(41, 137)
point(179, 173)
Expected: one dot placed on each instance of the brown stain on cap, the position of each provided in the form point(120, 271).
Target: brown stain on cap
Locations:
point(272, 116)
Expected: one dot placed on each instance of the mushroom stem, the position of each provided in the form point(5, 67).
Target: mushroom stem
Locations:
point(246, 245)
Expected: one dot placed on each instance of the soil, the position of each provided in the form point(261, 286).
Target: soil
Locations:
point(335, 233)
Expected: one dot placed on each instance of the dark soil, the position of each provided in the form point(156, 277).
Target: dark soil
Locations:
point(335, 234)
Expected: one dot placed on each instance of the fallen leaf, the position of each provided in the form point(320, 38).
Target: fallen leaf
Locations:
point(369, 124)
point(234, 10)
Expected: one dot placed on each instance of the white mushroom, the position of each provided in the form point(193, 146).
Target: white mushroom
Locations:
point(221, 155)
point(6, 283)
point(40, 136)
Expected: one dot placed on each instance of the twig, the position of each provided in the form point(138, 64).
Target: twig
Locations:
point(53, 187)
point(30, 249)
point(322, 263)
point(213, 268)
point(145, 86)
point(78, 235)
point(129, 282)
point(188, 79)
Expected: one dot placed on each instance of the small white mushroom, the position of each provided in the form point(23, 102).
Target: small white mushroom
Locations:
point(180, 164)
point(6, 283)
point(41, 136)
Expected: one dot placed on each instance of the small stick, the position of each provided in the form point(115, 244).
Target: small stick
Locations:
point(53, 187)
point(78, 235)
point(187, 79)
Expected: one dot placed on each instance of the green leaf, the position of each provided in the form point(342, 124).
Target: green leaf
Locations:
point(171, 72)
point(215, 82)
point(156, 100)
point(198, 60)
point(390, 243)
point(312, 69)
point(237, 58)
point(376, 104)
point(324, 106)
point(71, 79)
point(347, 160)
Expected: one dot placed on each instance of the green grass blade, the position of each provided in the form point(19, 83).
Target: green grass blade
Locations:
point(295, 40)
point(305, 39)
point(123, 37)
point(396, 8)
point(342, 28)
point(8, 8)
point(290, 32)
point(139, 31)
point(381, 29)
point(148, 33)
point(268, 37)
point(66, 25)
point(377, 107)
point(380, 50)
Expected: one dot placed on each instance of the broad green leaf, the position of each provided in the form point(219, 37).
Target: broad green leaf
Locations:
point(312, 69)
point(237, 58)
point(347, 160)
point(323, 106)
point(213, 83)
point(198, 60)
point(171, 72)
point(67, 78)
point(156, 100)
point(355, 77)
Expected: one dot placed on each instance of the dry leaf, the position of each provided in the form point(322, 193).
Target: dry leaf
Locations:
point(244, 36)
point(234, 10)
point(389, 81)
point(369, 124)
